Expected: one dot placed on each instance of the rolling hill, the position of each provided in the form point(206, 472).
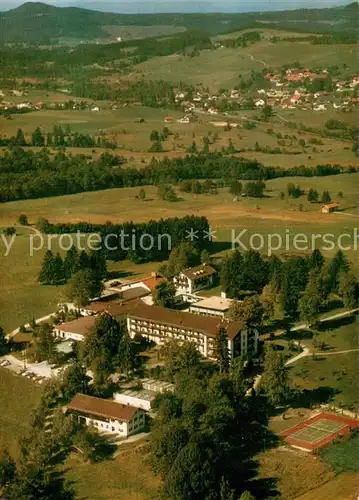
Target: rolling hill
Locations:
point(39, 23)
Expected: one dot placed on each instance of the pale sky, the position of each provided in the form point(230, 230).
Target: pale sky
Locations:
point(184, 5)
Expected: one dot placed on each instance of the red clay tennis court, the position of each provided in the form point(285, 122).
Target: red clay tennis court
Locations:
point(318, 431)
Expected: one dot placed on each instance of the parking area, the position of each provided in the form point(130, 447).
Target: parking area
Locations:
point(38, 372)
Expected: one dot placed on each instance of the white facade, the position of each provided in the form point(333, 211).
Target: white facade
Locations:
point(185, 285)
point(68, 335)
point(162, 333)
point(122, 429)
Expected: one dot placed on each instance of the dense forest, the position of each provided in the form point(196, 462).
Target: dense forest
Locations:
point(64, 60)
point(26, 175)
point(36, 23)
point(133, 240)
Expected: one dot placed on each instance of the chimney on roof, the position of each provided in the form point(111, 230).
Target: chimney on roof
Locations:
point(223, 295)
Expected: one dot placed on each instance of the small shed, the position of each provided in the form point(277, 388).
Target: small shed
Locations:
point(329, 207)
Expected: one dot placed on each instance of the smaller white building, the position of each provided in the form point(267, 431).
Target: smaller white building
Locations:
point(212, 306)
point(137, 398)
point(107, 415)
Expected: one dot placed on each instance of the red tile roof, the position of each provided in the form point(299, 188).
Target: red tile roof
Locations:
point(150, 281)
point(294, 78)
point(99, 407)
point(333, 204)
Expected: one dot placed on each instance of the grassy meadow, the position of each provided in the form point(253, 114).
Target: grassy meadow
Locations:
point(127, 476)
point(133, 138)
point(18, 397)
point(222, 67)
point(323, 373)
point(343, 486)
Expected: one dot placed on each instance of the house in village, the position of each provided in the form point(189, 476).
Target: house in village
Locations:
point(107, 415)
point(193, 279)
point(184, 119)
point(260, 103)
point(320, 107)
point(328, 208)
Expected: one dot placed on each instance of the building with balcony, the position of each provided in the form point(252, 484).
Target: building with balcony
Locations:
point(161, 325)
point(194, 279)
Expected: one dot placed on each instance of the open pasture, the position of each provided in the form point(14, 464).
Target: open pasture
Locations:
point(317, 56)
point(18, 397)
point(123, 126)
point(213, 68)
point(22, 296)
point(127, 476)
point(333, 376)
point(121, 204)
point(221, 67)
point(340, 487)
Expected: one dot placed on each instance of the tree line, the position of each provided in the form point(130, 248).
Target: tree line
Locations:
point(59, 137)
point(299, 286)
point(131, 240)
point(27, 175)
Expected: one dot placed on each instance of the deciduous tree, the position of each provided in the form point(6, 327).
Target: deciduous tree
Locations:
point(82, 287)
point(274, 379)
point(349, 289)
point(249, 312)
point(164, 294)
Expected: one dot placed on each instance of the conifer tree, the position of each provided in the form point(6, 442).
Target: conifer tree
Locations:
point(221, 352)
point(20, 138)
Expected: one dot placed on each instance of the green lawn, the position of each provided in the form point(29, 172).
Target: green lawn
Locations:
point(339, 335)
point(213, 68)
point(326, 373)
point(222, 67)
point(22, 296)
point(318, 56)
point(18, 397)
point(343, 457)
